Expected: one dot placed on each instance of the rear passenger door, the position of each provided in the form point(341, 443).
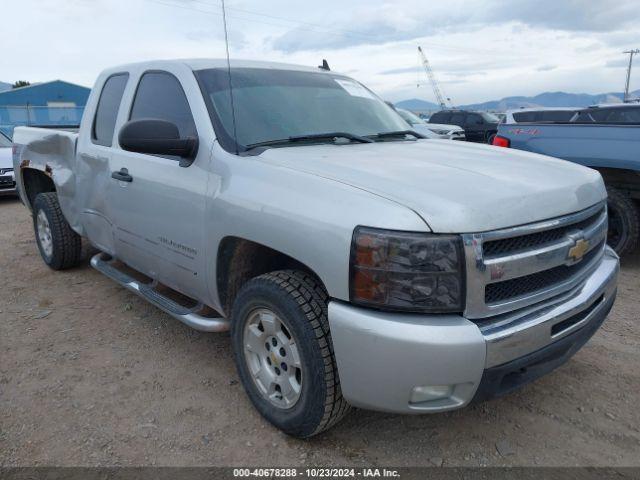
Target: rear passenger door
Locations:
point(93, 168)
point(474, 127)
point(159, 214)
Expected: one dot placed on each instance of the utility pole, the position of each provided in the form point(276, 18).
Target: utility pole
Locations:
point(626, 87)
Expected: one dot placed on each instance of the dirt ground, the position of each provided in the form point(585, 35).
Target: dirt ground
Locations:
point(92, 375)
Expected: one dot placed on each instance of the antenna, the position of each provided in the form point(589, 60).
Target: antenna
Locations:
point(626, 87)
point(233, 108)
point(325, 65)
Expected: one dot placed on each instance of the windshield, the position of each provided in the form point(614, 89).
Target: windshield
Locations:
point(277, 104)
point(4, 140)
point(490, 117)
point(410, 117)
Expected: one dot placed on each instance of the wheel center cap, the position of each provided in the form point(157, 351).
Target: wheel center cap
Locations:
point(273, 358)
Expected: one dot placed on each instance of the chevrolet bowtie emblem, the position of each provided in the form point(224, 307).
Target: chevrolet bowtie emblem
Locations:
point(579, 249)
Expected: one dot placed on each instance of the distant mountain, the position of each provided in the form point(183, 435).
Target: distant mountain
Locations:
point(550, 99)
point(415, 104)
point(546, 99)
point(4, 86)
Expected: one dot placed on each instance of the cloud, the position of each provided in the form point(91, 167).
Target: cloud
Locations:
point(618, 63)
point(387, 23)
point(572, 15)
point(546, 68)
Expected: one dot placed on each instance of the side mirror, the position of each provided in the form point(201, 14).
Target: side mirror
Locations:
point(157, 137)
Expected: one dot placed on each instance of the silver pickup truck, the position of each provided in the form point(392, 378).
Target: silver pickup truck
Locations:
point(354, 262)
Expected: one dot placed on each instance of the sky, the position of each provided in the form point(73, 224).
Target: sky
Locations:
point(479, 50)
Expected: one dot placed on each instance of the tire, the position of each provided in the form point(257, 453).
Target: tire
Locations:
point(300, 306)
point(59, 246)
point(490, 137)
point(624, 222)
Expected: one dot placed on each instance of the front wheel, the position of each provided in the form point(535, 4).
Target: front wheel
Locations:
point(284, 354)
point(624, 222)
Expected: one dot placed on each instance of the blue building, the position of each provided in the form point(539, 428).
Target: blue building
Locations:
point(48, 103)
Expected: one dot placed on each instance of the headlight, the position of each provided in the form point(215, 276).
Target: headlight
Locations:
point(407, 271)
point(439, 132)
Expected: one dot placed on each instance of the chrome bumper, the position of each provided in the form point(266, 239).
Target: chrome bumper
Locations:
point(382, 357)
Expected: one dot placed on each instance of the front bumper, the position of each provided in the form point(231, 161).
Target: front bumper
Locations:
point(8, 184)
point(382, 357)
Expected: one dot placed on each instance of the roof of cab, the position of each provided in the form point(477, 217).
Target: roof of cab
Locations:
point(205, 63)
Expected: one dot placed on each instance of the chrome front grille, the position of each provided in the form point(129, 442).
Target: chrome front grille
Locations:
point(516, 267)
point(517, 287)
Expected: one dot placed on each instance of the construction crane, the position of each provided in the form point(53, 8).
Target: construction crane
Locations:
point(432, 78)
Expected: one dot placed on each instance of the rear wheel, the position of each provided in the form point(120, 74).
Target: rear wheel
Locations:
point(284, 354)
point(58, 244)
point(624, 222)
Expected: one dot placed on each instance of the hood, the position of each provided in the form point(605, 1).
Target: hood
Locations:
point(456, 187)
point(442, 126)
point(6, 157)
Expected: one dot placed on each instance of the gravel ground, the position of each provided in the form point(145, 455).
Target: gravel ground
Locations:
point(92, 375)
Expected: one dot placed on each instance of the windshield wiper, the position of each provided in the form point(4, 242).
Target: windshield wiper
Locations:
point(314, 136)
point(399, 133)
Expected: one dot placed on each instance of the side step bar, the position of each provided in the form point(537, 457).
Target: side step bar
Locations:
point(195, 317)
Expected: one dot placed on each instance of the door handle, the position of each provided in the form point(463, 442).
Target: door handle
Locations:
point(122, 175)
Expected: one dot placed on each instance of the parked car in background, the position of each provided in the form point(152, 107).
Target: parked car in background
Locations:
point(540, 114)
point(7, 179)
point(354, 262)
point(605, 138)
point(478, 127)
point(451, 132)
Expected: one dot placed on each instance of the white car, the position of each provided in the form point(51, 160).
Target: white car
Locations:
point(451, 132)
point(540, 114)
point(7, 179)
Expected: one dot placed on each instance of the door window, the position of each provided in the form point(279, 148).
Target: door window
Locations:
point(457, 119)
point(474, 119)
point(160, 96)
point(105, 120)
point(441, 117)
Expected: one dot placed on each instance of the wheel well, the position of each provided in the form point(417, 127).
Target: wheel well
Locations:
point(240, 260)
point(35, 182)
point(627, 181)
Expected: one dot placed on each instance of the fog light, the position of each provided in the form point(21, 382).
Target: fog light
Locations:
point(428, 393)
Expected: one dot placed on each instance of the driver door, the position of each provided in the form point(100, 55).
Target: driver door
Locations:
point(158, 206)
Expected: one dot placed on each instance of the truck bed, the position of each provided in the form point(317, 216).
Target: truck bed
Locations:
point(592, 145)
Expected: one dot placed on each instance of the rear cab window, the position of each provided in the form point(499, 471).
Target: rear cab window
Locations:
point(104, 121)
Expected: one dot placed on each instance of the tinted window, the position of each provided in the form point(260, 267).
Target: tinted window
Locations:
point(440, 117)
point(583, 117)
point(160, 96)
point(544, 116)
point(616, 115)
point(474, 119)
point(107, 111)
point(556, 116)
point(457, 119)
